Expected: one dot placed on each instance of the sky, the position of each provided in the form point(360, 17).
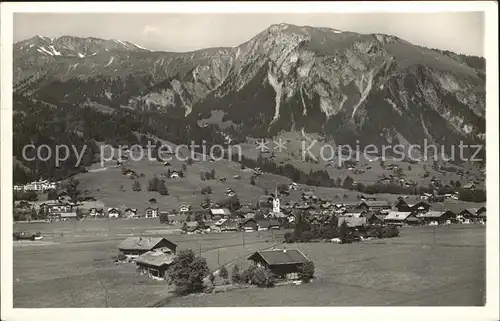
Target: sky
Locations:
point(461, 32)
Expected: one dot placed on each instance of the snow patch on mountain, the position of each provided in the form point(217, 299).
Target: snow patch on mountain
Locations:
point(110, 61)
point(57, 53)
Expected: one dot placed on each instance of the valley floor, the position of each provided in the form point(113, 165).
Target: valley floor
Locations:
point(423, 266)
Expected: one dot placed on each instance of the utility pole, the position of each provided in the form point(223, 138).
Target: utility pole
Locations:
point(218, 255)
point(243, 238)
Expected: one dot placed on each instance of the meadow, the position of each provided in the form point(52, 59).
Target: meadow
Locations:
point(423, 266)
point(445, 266)
point(73, 265)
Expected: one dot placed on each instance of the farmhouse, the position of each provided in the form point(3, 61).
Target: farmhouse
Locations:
point(264, 225)
point(249, 225)
point(420, 207)
point(113, 212)
point(374, 205)
point(130, 212)
point(469, 186)
point(438, 217)
point(309, 196)
point(95, 212)
point(61, 212)
point(373, 219)
point(218, 213)
point(285, 264)
point(151, 212)
point(134, 246)
point(155, 263)
point(400, 218)
point(402, 206)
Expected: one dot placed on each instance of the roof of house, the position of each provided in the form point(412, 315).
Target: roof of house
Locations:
point(140, 243)
point(371, 215)
point(248, 220)
point(278, 257)
point(155, 258)
point(397, 216)
point(434, 214)
point(376, 203)
point(220, 211)
point(267, 224)
point(352, 221)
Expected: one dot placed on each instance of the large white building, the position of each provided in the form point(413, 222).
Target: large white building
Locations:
point(37, 186)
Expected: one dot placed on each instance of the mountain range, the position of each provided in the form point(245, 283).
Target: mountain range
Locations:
point(349, 87)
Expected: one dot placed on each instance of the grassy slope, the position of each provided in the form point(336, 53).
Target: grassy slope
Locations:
point(104, 184)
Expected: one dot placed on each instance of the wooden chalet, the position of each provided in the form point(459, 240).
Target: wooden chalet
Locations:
point(284, 264)
point(134, 246)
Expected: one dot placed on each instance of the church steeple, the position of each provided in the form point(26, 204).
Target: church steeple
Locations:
point(276, 202)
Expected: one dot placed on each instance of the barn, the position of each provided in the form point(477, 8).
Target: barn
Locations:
point(284, 264)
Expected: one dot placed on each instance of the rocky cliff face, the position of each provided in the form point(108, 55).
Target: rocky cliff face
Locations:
point(372, 88)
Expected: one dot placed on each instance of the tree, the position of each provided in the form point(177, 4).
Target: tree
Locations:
point(164, 218)
point(307, 236)
point(289, 238)
point(187, 272)
point(223, 273)
point(184, 167)
point(409, 168)
point(162, 188)
point(348, 182)
point(202, 176)
point(344, 232)
point(235, 274)
point(212, 278)
point(206, 202)
point(247, 275)
point(52, 195)
point(212, 174)
point(72, 189)
point(306, 272)
point(136, 187)
point(152, 184)
point(252, 180)
point(263, 278)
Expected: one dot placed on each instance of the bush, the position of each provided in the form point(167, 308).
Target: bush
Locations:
point(187, 272)
point(247, 275)
point(388, 231)
point(289, 237)
point(121, 257)
point(307, 236)
point(235, 275)
point(263, 278)
point(306, 272)
point(212, 278)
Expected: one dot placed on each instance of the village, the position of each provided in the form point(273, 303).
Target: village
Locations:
point(361, 219)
